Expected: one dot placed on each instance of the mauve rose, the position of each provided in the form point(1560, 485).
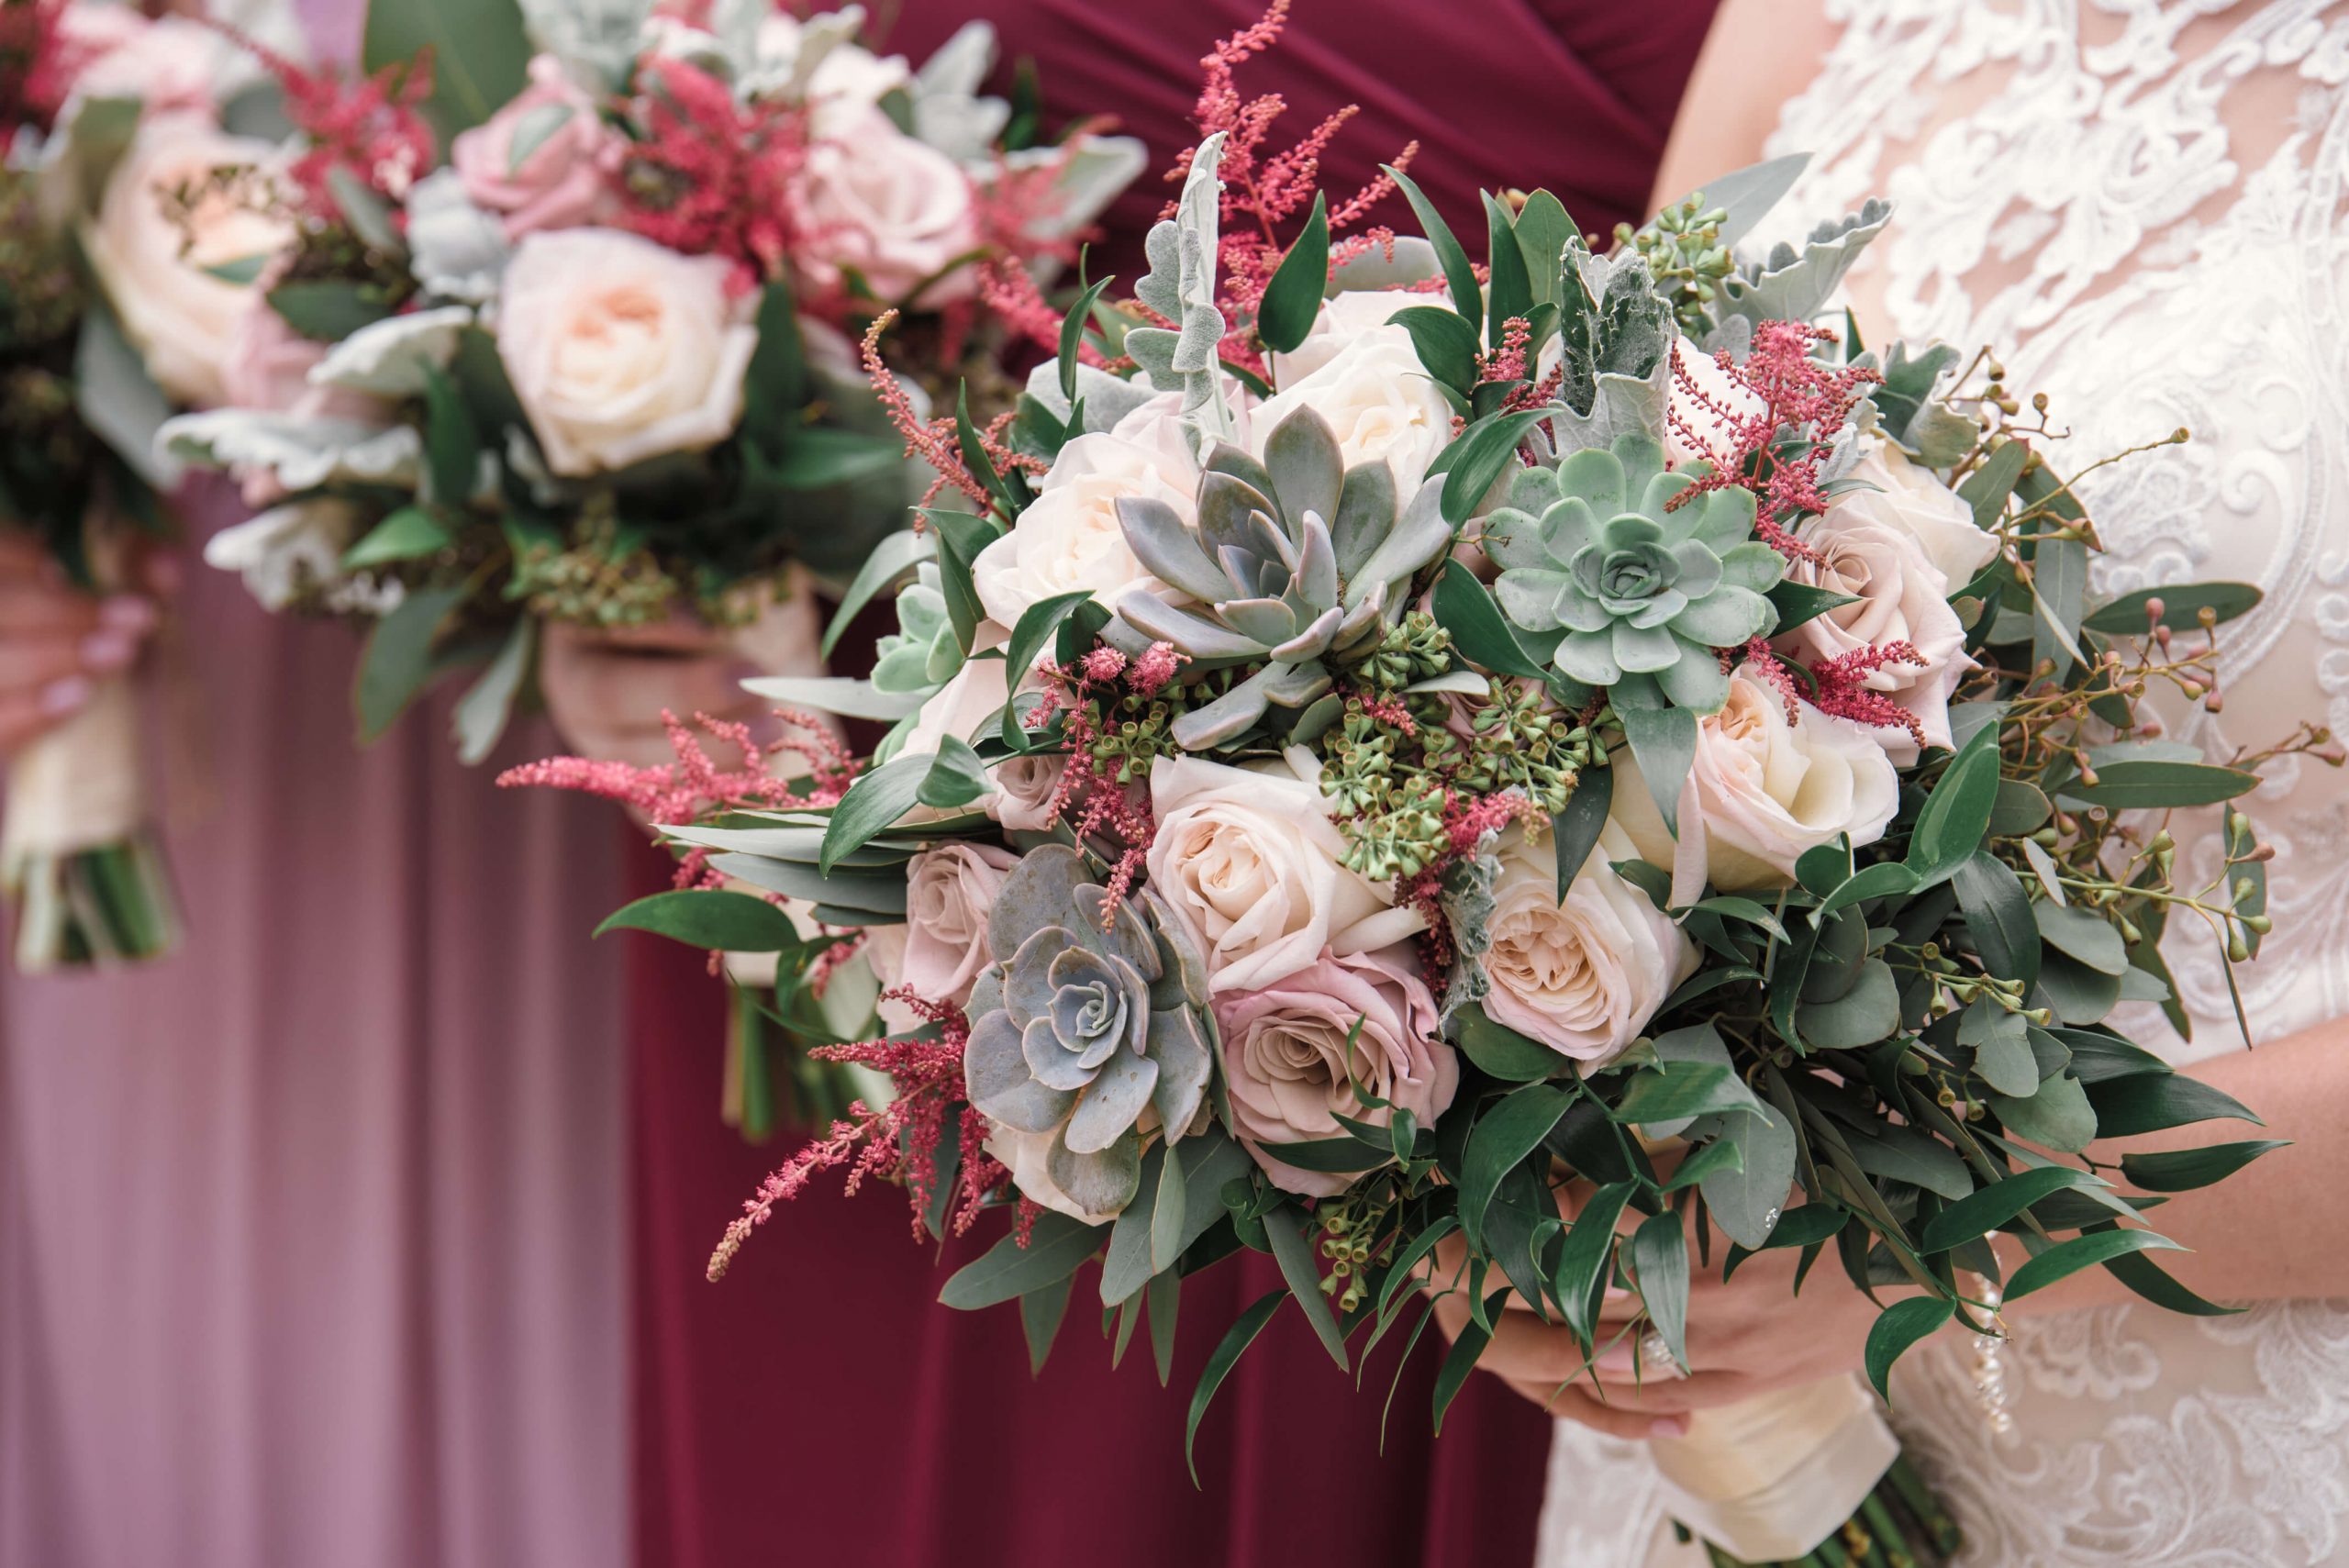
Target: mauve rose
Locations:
point(1761, 790)
point(1294, 1050)
point(949, 889)
point(1583, 977)
point(1024, 791)
point(567, 152)
point(1900, 596)
point(268, 366)
point(1250, 862)
point(621, 350)
point(894, 210)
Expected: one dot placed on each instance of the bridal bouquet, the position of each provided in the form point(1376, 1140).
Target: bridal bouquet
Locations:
point(599, 369)
point(1568, 760)
point(106, 320)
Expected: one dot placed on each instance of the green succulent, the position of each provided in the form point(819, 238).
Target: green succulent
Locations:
point(1635, 592)
point(1298, 564)
point(1099, 1015)
point(922, 653)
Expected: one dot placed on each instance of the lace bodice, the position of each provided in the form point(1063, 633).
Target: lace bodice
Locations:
point(2141, 205)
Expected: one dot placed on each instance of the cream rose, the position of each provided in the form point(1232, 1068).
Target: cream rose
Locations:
point(1912, 499)
point(1294, 1050)
point(1342, 319)
point(1900, 596)
point(181, 318)
point(1069, 538)
point(1586, 976)
point(1762, 791)
point(1249, 860)
point(168, 64)
point(894, 211)
point(621, 350)
point(1380, 402)
point(543, 159)
point(949, 889)
point(1704, 401)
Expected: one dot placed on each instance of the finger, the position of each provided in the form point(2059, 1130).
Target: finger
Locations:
point(26, 715)
point(29, 663)
point(28, 607)
point(677, 635)
point(1660, 1393)
point(1616, 1421)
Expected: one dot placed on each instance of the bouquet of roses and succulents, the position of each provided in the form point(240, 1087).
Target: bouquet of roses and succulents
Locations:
point(600, 368)
point(107, 319)
point(1396, 739)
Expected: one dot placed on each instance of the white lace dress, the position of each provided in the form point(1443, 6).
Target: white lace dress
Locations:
point(2141, 206)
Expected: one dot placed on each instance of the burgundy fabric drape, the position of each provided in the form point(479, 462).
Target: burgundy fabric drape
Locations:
point(818, 1407)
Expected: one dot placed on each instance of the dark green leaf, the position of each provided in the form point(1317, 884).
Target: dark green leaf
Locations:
point(480, 55)
point(1446, 344)
point(1038, 623)
point(1544, 234)
point(1242, 1335)
point(1510, 287)
point(2182, 605)
point(1997, 917)
point(327, 310)
point(1164, 1298)
point(1664, 742)
point(956, 777)
point(1464, 607)
point(408, 533)
point(1956, 814)
point(2058, 1114)
point(1461, 1359)
point(451, 441)
point(2148, 1102)
point(1284, 1228)
point(2067, 1258)
point(1993, 1206)
point(1897, 1328)
point(1056, 1247)
point(2020, 809)
point(1673, 1090)
point(1294, 296)
point(895, 555)
point(2183, 1170)
point(819, 458)
point(398, 656)
point(1040, 1312)
point(1071, 334)
point(1458, 274)
point(1331, 1156)
point(1478, 459)
point(2153, 1281)
point(1886, 879)
point(2082, 934)
point(1504, 1136)
point(1575, 831)
point(1987, 488)
point(1867, 1013)
point(2059, 581)
point(1799, 602)
point(481, 714)
point(1584, 1257)
point(725, 922)
point(2151, 785)
point(1747, 1201)
point(874, 801)
point(1660, 1264)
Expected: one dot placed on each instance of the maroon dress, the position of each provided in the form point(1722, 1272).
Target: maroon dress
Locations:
point(820, 1407)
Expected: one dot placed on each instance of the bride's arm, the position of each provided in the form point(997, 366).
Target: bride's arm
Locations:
point(1758, 54)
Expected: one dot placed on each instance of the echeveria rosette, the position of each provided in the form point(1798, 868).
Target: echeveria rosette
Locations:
point(1089, 1024)
point(922, 653)
point(1295, 565)
point(1636, 593)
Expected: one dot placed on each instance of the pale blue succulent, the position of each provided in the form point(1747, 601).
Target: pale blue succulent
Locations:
point(1099, 1015)
point(922, 653)
point(1634, 592)
point(1298, 564)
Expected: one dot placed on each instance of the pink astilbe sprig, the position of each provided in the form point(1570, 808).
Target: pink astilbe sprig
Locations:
point(897, 1142)
point(1096, 802)
point(1795, 390)
point(1773, 669)
point(369, 127)
point(713, 177)
point(696, 786)
point(932, 440)
point(1264, 188)
point(1843, 692)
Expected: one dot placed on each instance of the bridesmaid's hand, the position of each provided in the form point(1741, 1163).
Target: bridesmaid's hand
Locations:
point(56, 643)
point(606, 690)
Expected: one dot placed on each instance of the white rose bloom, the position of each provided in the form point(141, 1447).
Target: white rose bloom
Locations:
point(1069, 537)
point(1342, 319)
point(1761, 792)
point(1716, 394)
point(287, 549)
point(181, 318)
point(1583, 977)
point(621, 350)
point(1249, 860)
point(1380, 402)
point(849, 77)
point(1912, 498)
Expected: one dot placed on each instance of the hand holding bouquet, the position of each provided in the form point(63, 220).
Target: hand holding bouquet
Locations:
point(597, 369)
point(1396, 738)
point(107, 317)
